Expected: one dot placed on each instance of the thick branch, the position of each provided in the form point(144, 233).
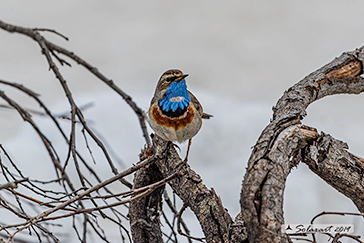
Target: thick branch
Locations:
point(265, 185)
point(330, 160)
point(264, 182)
point(205, 204)
point(144, 213)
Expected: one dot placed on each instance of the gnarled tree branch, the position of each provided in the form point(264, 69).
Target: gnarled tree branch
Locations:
point(270, 161)
point(330, 160)
point(205, 204)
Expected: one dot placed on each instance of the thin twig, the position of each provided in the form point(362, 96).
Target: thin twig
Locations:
point(90, 190)
point(53, 31)
point(338, 236)
point(150, 189)
point(175, 212)
point(179, 215)
point(335, 213)
point(12, 184)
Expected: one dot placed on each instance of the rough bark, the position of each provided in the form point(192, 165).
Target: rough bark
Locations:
point(267, 198)
point(270, 161)
point(206, 205)
point(331, 161)
point(144, 213)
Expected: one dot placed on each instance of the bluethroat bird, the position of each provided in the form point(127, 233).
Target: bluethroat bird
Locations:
point(175, 114)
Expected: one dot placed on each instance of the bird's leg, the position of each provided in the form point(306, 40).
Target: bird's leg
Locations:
point(167, 147)
point(188, 150)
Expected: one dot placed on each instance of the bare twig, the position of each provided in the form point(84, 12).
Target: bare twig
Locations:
point(46, 46)
point(335, 213)
point(138, 194)
point(338, 236)
point(12, 184)
point(179, 216)
point(53, 31)
point(88, 191)
point(175, 212)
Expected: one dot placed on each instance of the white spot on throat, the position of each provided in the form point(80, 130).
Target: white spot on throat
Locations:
point(176, 99)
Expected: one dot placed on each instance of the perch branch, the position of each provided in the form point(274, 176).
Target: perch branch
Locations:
point(207, 207)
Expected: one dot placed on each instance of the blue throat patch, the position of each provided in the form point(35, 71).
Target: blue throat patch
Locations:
point(176, 99)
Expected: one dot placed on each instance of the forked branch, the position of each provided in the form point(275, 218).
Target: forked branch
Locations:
point(274, 153)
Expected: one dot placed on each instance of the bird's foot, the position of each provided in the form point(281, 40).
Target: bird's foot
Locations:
point(176, 146)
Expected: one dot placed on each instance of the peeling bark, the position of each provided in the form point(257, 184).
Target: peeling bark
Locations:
point(331, 161)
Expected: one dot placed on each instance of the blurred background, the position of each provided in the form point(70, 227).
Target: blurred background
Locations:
point(241, 57)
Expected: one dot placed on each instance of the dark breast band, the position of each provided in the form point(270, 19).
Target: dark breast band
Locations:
point(175, 122)
point(176, 113)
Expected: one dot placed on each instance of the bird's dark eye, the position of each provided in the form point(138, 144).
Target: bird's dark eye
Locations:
point(170, 79)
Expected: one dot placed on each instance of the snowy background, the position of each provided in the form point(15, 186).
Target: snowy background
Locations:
point(241, 56)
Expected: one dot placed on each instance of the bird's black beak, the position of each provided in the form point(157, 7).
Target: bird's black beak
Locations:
point(181, 77)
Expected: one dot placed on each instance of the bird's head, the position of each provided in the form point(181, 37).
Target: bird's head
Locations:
point(169, 77)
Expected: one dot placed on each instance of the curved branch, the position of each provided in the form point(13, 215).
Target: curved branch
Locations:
point(271, 159)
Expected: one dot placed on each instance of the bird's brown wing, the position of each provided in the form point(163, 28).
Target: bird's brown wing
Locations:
point(152, 101)
point(206, 116)
point(157, 96)
point(198, 106)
